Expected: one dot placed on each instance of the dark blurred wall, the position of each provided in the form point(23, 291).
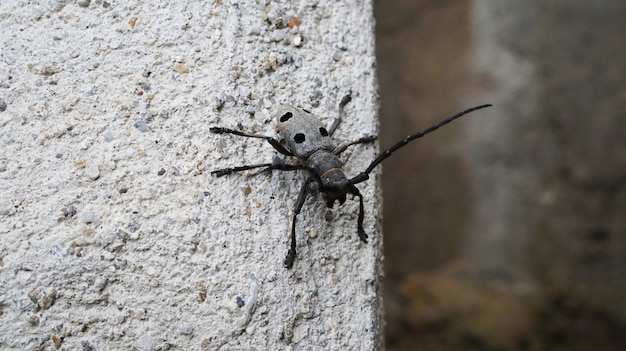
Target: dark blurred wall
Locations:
point(506, 229)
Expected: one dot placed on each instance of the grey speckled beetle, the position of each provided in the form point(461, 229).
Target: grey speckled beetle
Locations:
point(307, 139)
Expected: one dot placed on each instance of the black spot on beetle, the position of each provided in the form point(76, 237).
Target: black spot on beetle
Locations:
point(299, 138)
point(323, 131)
point(286, 116)
point(307, 111)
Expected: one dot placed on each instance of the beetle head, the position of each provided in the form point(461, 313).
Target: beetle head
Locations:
point(335, 186)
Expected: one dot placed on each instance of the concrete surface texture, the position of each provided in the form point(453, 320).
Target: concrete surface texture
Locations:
point(114, 236)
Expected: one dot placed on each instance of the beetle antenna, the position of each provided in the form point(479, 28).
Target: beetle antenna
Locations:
point(363, 176)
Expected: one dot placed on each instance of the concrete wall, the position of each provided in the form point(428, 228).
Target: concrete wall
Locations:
point(114, 236)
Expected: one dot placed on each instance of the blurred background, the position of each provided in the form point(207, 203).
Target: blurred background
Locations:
point(505, 230)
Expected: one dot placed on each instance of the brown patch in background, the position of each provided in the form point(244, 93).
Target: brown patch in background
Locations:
point(568, 291)
point(422, 48)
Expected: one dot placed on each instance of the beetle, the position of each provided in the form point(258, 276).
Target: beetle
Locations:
point(304, 136)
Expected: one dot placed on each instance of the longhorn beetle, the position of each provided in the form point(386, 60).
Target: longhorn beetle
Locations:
point(304, 137)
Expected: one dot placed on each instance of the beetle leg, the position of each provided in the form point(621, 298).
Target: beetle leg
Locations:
point(341, 148)
point(346, 99)
point(360, 230)
point(291, 254)
point(275, 143)
point(267, 166)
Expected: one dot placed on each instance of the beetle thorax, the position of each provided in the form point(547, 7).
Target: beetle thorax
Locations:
point(328, 167)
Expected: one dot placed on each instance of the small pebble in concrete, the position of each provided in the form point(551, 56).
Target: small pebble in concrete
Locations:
point(100, 283)
point(297, 41)
point(93, 172)
point(87, 346)
point(146, 342)
point(88, 217)
point(186, 330)
point(279, 35)
point(240, 301)
point(142, 126)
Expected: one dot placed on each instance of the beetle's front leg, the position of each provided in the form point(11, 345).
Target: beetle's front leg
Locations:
point(366, 139)
point(362, 235)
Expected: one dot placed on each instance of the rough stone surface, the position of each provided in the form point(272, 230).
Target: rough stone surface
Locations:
point(113, 234)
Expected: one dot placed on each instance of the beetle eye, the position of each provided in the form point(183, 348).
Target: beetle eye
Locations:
point(323, 131)
point(299, 138)
point(286, 116)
